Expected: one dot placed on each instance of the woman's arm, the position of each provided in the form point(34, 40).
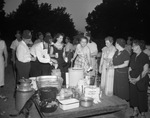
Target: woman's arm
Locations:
point(89, 57)
point(75, 54)
point(64, 53)
point(51, 52)
point(125, 64)
point(145, 70)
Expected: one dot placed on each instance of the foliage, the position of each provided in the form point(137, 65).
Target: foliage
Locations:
point(119, 18)
point(40, 17)
point(2, 15)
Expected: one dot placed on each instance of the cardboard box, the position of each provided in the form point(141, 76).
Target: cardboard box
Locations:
point(69, 104)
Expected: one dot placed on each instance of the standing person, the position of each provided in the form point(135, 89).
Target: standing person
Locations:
point(42, 65)
point(120, 62)
point(106, 59)
point(138, 76)
point(68, 50)
point(39, 38)
point(14, 46)
point(128, 46)
point(58, 52)
point(3, 64)
point(93, 53)
point(23, 56)
point(82, 55)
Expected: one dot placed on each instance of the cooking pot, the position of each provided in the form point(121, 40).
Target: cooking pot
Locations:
point(86, 101)
point(48, 94)
point(49, 81)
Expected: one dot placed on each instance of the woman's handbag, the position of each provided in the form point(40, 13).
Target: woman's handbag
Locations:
point(142, 84)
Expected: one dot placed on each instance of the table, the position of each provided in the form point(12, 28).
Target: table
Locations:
point(107, 105)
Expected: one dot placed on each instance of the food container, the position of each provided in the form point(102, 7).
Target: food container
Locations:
point(75, 74)
point(49, 81)
point(86, 101)
point(69, 103)
point(48, 93)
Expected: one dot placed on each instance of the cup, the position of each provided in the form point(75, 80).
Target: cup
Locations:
point(56, 55)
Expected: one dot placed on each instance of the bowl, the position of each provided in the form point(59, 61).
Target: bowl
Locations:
point(86, 101)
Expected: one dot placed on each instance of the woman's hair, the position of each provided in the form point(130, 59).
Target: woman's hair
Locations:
point(140, 43)
point(109, 38)
point(83, 37)
point(57, 36)
point(121, 42)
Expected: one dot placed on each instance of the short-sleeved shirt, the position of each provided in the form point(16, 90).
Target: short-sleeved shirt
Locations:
point(119, 59)
point(14, 44)
point(137, 63)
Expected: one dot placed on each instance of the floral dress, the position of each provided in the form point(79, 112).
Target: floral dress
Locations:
point(82, 58)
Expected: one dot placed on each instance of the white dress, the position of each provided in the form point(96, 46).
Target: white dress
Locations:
point(107, 76)
point(2, 47)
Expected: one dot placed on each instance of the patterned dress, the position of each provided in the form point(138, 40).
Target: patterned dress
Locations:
point(82, 58)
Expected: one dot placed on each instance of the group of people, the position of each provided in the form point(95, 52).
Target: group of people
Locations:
point(124, 68)
point(124, 72)
point(32, 59)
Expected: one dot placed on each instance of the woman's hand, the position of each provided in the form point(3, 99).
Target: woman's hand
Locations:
point(134, 80)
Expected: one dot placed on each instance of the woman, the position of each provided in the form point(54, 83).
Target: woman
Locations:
point(58, 52)
point(3, 64)
point(120, 62)
point(82, 55)
point(138, 76)
point(107, 74)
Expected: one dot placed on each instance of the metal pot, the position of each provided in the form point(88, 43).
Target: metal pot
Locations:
point(86, 101)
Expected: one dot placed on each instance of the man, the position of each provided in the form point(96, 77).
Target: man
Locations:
point(40, 38)
point(23, 56)
point(14, 46)
point(43, 63)
point(93, 50)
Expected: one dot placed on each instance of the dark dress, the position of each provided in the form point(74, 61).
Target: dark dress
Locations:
point(121, 82)
point(138, 97)
point(62, 65)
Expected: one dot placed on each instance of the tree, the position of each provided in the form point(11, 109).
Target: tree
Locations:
point(117, 18)
point(2, 16)
point(30, 15)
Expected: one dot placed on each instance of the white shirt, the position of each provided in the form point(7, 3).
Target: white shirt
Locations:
point(23, 52)
point(38, 51)
point(93, 47)
point(14, 44)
